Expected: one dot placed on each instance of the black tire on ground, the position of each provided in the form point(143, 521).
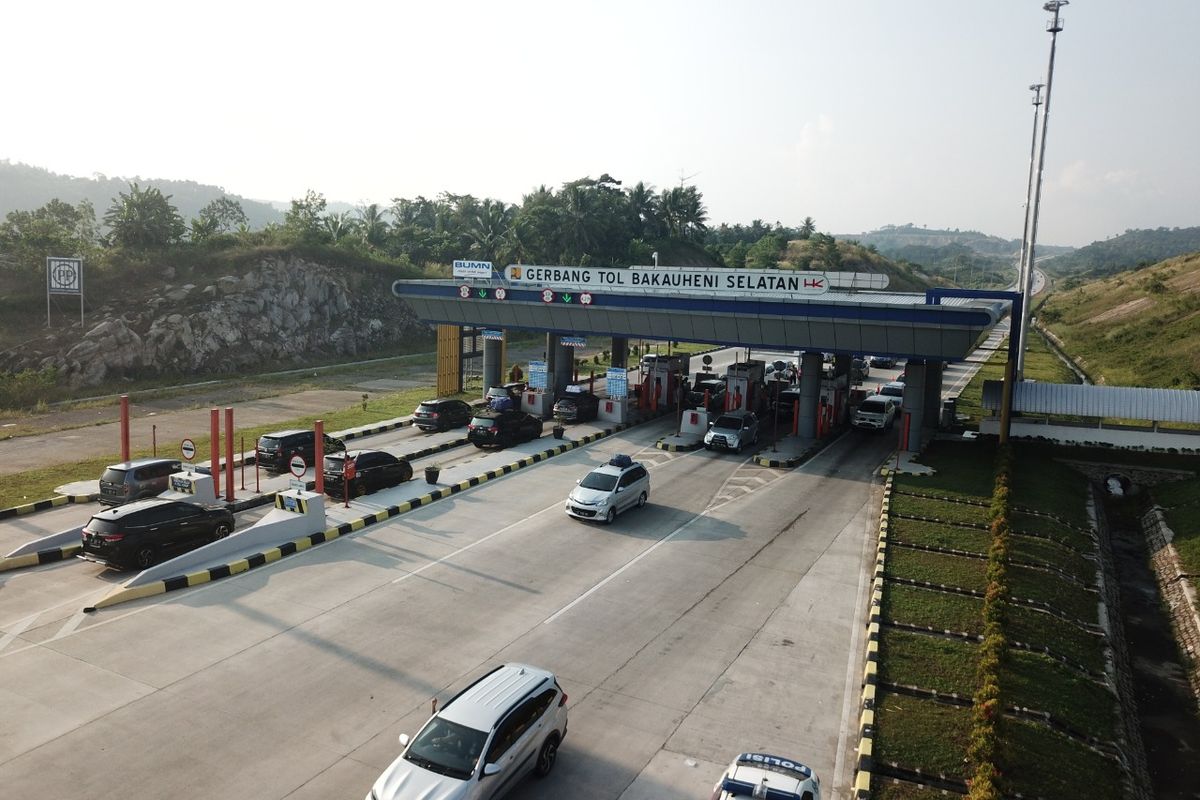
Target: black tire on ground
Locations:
point(547, 756)
point(610, 516)
point(406, 472)
point(220, 532)
point(642, 500)
point(145, 556)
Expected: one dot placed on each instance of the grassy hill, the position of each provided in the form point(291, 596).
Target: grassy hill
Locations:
point(1134, 248)
point(1136, 328)
point(855, 257)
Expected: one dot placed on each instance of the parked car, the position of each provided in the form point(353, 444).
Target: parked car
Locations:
point(764, 775)
point(733, 430)
point(503, 428)
point(275, 450)
point(876, 412)
point(783, 406)
point(576, 404)
point(859, 369)
point(882, 362)
point(893, 391)
point(373, 470)
point(503, 398)
point(138, 535)
point(480, 744)
point(716, 389)
point(442, 414)
point(134, 480)
point(608, 490)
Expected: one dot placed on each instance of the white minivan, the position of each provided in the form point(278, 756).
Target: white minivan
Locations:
point(480, 744)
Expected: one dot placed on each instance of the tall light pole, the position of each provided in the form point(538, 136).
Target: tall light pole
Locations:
point(1036, 88)
point(1053, 26)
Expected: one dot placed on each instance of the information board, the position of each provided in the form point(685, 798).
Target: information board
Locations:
point(537, 374)
point(616, 383)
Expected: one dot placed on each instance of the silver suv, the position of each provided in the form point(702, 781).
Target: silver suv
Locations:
point(733, 430)
point(608, 490)
point(509, 722)
point(137, 479)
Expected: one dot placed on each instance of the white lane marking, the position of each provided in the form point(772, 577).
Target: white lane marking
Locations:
point(714, 506)
point(69, 626)
point(16, 630)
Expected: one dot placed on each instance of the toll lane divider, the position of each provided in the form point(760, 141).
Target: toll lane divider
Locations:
point(329, 534)
point(47, 556)
point(866, 720)
point(53, 502)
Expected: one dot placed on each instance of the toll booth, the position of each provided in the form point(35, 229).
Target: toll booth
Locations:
point(746, 386)
point(662, 382)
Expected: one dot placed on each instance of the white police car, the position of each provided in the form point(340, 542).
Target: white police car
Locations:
point(767, 776)
point(604, 492)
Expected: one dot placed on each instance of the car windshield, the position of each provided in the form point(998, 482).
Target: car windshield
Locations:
point(268, 444)
point(728, 422)
point(893, 391)
point(447, 748)
point(483, 422)
point(873, 406)
point(333, 464)
point(599, 481)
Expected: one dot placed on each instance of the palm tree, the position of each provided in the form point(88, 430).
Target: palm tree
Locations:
point(807, 228)
point(643, 208)
point(371, 225)
point(489, 223)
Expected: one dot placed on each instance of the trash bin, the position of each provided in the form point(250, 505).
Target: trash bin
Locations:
point(949, 412)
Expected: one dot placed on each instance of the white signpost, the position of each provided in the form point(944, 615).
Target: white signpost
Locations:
point(64, 276)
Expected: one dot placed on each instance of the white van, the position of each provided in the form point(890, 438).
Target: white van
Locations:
point(875, 413)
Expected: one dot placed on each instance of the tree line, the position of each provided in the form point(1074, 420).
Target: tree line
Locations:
point(584, 222)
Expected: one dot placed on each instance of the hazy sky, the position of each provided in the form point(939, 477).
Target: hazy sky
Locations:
point(858, 114)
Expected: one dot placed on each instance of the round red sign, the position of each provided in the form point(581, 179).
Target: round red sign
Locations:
point(188, 448)
point(298, 466)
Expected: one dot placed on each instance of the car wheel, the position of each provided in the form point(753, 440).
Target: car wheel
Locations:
point(406, 472)
point(642, 500)
point(738, 449)
point(547, 756)
point(220, 532)
point(144, 557)
point(610, 516)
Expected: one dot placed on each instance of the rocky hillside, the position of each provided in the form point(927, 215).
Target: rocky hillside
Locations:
point(277, 312)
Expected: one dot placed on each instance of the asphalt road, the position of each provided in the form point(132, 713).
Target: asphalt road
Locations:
point(725, 616)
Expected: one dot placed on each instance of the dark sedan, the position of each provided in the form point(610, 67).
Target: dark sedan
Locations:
point(716, 394)
point(503, 428)
point(373, 470)
point(576, 405)
point(140, 534)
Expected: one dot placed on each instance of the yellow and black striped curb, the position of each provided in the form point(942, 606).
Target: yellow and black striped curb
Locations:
point(42, 505)
point(786, 463)
point(40, 557)
point(866, 721)
point(677, 448)
point(329, 534)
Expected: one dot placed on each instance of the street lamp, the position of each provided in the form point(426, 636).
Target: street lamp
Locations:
point(1053, 26)
point(655, 255)
point(1036, 88)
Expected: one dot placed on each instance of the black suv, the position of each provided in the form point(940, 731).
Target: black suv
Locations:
point(576, 405)
point(716, 394)
point(275, 450)
point(503, 428)
point(133, 480)
point(442, 414)
point(138, 535)
point(373, 470)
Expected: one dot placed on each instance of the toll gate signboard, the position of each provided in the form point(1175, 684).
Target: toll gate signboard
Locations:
point(537, 374)
point(616, 383)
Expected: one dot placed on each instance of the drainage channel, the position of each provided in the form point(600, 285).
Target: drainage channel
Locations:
point(1167, 710)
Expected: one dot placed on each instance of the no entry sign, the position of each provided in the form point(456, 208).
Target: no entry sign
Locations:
point(188, 448)
point(297, 466)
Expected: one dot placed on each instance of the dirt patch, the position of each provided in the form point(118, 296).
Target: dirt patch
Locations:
point(1123, 310)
